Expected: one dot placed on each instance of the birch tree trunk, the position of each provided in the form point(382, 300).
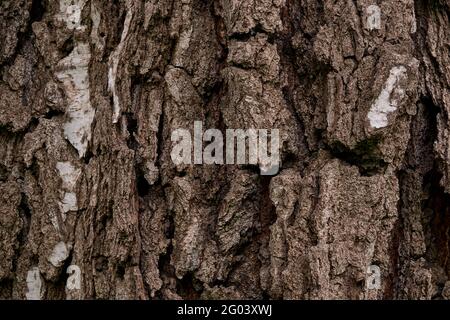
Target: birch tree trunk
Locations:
point(92, 206)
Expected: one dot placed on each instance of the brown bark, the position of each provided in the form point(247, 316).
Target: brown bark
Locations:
point(90, 92)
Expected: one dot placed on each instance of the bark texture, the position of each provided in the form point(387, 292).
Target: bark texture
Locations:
point(90, 92)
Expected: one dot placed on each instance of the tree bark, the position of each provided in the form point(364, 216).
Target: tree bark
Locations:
point(91, 91)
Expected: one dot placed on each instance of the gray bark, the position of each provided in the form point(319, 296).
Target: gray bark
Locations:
point(90, 92)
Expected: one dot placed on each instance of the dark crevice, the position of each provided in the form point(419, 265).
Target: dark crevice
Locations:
point(366, 155)
point(305, 73)
point(6, 289)
point(267, 217)
point(290, 160)
point(87, 156)
point(3, 173)
point(132, 127)
point(289, 57)
point(267, 208)
point(24, 211)
point(436, 221)
point(53, 113)
point(392, 285)
point(25, 214)
point(37, 11)
point(420, 194)
point(166, 269)
point(189, 288)
point(420, 151)
point(143, 187)
point(36, 14)
point(120, 272)
point(62, 279)
point(9, 131)
point(67, 47)
point(246, 36)
point(251, 168)
point(425, 10)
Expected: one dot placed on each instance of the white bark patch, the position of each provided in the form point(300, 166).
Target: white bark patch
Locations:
point(70, 12)
point(388, 99)
point(373, 17)
point(68, 203)
point(34, 284)
point(59, 254)
point(69, 175)
point(96, 18)
point(413, 22)
point(74, 74)
point(54, 220)
point(114, 60)
point(182, 46)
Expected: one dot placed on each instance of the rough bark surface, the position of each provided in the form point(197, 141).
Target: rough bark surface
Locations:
point(90, 92)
